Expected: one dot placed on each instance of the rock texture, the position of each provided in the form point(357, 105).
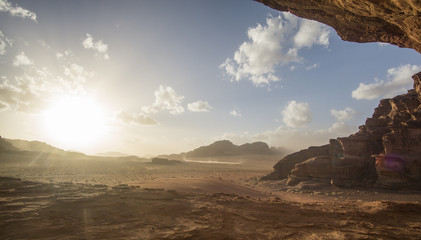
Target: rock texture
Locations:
point(284, 166)
point(391, 21)
point(386, 150)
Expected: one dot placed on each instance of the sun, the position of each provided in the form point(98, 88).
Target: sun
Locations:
point(75, 121)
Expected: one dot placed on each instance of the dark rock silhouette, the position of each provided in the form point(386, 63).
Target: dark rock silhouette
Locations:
point(395, 22)
point(386, 150)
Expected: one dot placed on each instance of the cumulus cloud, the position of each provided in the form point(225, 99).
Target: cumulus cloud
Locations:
point(165, 99)
point(31, 91)
point(310, 33)
point(134, 119)
point(64, 55)
point(235, 113)
point(6, 6)
point(22, 60)
point(76, 76)
point(98, 46)
point(276, 43)
point(77, 73)
point(292, 138)
point(398, 80)
point(199, 106)
point(296, 114)
point(343, 115)
point(4, 42)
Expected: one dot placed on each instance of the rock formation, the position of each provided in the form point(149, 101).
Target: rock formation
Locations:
point(227, 148)
point(284, 167)
point(391, 21)
point(386, 150)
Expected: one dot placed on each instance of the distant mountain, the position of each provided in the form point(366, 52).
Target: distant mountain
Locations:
point(12, 149)
point(36, 146)
point(6, 146)
point(226, 148)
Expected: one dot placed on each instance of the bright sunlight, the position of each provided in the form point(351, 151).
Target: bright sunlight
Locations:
point(75, 121)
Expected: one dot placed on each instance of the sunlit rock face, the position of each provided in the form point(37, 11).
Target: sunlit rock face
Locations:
point(391, 21)
point(386, 151)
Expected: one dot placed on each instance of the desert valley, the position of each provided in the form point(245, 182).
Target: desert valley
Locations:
point(70, 90)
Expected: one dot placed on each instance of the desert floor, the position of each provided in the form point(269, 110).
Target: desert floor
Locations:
point(108, 199)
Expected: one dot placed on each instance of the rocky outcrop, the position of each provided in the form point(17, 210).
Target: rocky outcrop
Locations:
point(285, 165)
point(227, 148)
point(386, 150)
point(390, 21)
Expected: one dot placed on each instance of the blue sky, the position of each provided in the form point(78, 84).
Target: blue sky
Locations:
point(155, 77)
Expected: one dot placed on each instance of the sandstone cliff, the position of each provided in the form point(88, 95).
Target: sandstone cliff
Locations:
point(386, 150)
point(391, 21)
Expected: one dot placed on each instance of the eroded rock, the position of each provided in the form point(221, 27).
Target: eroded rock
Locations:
point(386, 150)
point(285, 165)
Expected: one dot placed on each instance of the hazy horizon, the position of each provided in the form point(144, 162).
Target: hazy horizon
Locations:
point(163, 77)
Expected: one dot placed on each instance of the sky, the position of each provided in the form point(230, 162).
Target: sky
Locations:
point(158, 77)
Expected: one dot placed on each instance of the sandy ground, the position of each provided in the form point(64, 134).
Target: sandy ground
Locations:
point(137, 200)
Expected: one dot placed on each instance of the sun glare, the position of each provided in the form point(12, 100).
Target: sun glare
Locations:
point(75, 121)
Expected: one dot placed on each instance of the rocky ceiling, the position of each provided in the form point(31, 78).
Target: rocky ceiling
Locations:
point(391, 21)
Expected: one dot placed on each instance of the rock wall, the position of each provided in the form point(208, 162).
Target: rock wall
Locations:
point(386, 150)
point(391, 21)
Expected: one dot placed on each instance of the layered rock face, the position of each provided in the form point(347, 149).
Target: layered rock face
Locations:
point(391, 21)
point(386, 150)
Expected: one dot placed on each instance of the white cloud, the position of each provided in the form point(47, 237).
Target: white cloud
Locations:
point(77, 73)
point(76, 76)
point(343, 115)
point(4, 42)
point(310, 33)
point(22, 60)
point(134, 119)
point(271, 45)
point(311, 67)
point(100, 47)
point(6, 6)
point(31, 91)
point(199, 106)
point(296, 114)
point(235, 113)
point(65, 54)
point(292, 138)
point(398, 81)
point(165, 99)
